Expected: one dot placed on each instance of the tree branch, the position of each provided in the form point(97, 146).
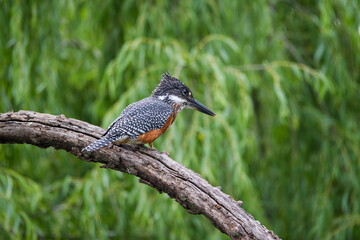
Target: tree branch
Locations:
point(154, 168)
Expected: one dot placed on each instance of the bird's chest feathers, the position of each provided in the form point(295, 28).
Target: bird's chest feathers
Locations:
point(150, 136)
point(177, 107)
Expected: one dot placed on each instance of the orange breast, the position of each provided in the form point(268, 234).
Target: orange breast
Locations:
point(150, 136)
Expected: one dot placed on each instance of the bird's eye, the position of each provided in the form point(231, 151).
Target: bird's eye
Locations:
point(185, 92)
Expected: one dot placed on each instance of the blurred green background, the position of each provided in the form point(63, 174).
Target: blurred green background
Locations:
point(282, 76)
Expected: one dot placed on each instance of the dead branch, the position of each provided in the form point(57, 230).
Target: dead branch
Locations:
point(153, 168)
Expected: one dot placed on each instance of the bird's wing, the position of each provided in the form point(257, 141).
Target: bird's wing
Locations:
point(129, 108)
point(139, 118)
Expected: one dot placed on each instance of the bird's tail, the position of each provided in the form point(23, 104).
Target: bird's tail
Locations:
point(102, 142)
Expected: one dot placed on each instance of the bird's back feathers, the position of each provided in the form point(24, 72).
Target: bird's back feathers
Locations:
point(136, 119)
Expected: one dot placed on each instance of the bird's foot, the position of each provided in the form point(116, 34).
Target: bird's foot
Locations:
point(152, 148)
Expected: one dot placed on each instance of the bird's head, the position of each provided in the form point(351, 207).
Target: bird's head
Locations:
point(172, 91)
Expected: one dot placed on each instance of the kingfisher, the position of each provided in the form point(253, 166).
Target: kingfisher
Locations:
point(144, 121)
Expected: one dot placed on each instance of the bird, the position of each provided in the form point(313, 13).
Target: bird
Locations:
point(144, 121)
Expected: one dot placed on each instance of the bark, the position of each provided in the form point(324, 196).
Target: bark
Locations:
point(153, 168)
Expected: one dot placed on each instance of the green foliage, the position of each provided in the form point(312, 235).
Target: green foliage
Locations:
point(282, 77)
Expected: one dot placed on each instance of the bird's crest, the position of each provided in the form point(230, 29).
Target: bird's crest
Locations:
point(167, 84)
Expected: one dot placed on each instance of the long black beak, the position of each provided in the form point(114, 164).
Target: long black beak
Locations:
point(201, 108)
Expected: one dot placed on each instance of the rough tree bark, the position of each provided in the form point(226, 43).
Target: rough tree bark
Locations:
point(154, 168)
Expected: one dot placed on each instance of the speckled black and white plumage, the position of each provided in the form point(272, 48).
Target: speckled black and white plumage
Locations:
point(140, 117)
point(136, 119)
point(151, 113)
